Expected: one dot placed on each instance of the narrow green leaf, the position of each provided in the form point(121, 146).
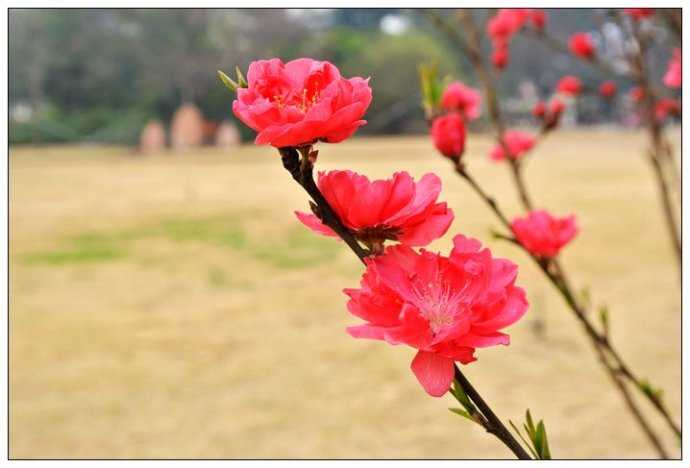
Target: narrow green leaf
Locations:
point(604, 318)
point(430, 87)
point(462, 413)
point(527, 444)
point(241, 81)
point(462, 398)
point(546, 452)
point(539, 440)
point(225, 79)
point(649, 390)
point(532, 431)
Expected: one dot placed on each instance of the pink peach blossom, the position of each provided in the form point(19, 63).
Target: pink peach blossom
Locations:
point(448, 134)
point(538, 18)
point(639, 14)
point(500, 57)
point(445, 307)
point(581, 45)
point(542, 234)
point(637, 93)
point(539, 109)
point(505, 23)
point(570, 85)
point(301, 102)
point(673, 77)
point(463, 99)
point(518, 144)
point(556, 107)
point(397, 208)
point(666, 107)
point(608, 89)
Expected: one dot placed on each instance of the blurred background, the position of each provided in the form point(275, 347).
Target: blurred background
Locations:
point(100, 75)
point(165, 303)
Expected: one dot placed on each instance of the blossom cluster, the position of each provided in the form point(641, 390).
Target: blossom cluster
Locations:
point(505, 24)
point(444, 306)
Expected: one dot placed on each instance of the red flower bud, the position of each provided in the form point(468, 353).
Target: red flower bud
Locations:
point(538, 19)
point(666, 107)
point(638, 14)
point(463, 99)
point(518, 143)
point(581, 45)
point(608, 89)
point(673, 78)
point(448, 134)
point(539, 109)
point(637, 94)
point(570, 85)
point(500, 57)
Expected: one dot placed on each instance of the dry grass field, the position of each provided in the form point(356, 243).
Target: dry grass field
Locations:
point(172, 307)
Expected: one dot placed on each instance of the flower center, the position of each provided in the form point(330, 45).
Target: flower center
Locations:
point(303, 101)
point(438, 303)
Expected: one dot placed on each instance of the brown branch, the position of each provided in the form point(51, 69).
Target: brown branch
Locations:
point(600, 342)
point(661, 152)
point(474, 49)
point(659, 149)
point(552, 268)
point(302, 171)
point(492, 423)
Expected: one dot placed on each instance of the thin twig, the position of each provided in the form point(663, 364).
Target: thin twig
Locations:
point(551, 269)
point(658, 149)
point(493, 423)
point(303, 172)
point(661, 152)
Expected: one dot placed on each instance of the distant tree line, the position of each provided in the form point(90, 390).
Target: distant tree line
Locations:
point(99, 74)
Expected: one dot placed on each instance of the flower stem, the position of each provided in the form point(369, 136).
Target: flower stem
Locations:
point(658, 150)
point(492, 423)
point(303, 172)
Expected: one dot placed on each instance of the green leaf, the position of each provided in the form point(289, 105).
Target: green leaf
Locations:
point(604, 318)
point(539, 439)
point(225, 79)
point(241, 81)
point(545, 451)
point(430, 87)
point(649, 390)
point(530, 425)
point(527, 444)
point(462, 413)
point(462, 397)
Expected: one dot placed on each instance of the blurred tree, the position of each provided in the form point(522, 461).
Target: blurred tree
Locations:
point(99, 74)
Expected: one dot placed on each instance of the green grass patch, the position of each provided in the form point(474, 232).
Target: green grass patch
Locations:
point(298, 248)
point(85, 248)
point(217, 230)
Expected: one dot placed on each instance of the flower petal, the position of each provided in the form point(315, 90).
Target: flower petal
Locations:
point(434, 372)
point(315, 224)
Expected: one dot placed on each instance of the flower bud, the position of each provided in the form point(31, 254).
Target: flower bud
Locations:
point(448, 134)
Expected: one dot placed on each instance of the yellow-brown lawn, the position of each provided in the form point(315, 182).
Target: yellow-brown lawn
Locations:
point(171, 306)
